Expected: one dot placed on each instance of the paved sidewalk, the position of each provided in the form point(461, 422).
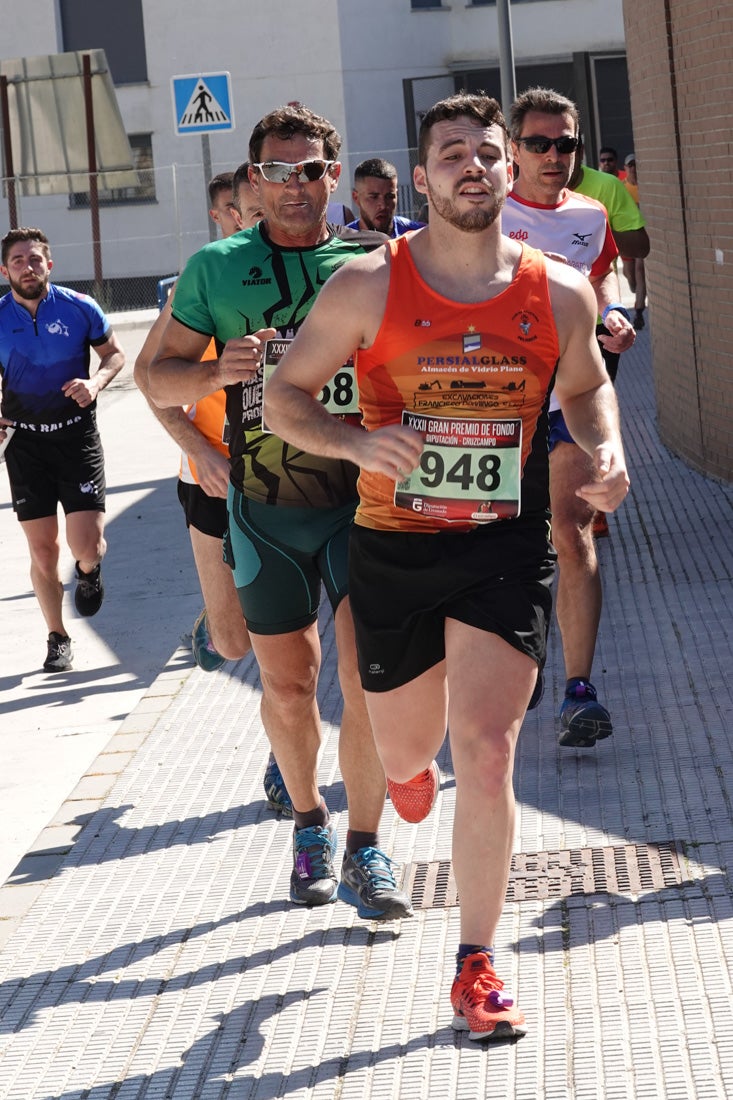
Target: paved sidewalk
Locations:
point(53, 725)
point(161, 959)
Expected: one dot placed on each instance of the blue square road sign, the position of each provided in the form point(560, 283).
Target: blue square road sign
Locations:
point(202, 103)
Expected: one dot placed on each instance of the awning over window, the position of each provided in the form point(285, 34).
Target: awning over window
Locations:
point(48, 125)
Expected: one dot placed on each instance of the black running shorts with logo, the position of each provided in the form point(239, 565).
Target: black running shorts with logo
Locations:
point(207, 514)
point(46, 469)
point(404, 585)
point(280, 557)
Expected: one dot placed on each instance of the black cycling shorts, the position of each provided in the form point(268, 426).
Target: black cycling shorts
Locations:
point(280, 556)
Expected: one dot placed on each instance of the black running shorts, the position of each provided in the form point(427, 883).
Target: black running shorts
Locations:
point(403, 586)
point(46, 469)
point(207, 514)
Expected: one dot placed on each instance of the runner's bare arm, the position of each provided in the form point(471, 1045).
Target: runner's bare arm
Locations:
point(345, 316)
point(634, 244)
point(212, 467)
point(176, 375)
point(608, 292)
point(585, 392)
point(111, 362)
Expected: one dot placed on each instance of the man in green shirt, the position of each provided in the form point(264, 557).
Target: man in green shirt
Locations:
point(289, 512)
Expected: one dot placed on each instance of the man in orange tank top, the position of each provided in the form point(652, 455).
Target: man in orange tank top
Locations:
point(457, 330)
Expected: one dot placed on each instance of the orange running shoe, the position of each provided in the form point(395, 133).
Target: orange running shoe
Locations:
point(480, 1009)
point(600, 526)
point(414, 799)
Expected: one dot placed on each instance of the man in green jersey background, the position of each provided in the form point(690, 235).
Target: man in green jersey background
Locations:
point(289, 512)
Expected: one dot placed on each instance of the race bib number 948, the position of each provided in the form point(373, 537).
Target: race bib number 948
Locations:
point(470, 469)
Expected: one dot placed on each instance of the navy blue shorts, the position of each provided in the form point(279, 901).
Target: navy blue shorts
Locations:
point(558, 430)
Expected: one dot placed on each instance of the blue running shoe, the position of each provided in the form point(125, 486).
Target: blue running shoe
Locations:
point(204, 654)
point(313, 881)
point(583, 720)
point(368, 883)
point(277, 793)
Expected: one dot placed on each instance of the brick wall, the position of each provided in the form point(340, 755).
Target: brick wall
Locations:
point(681, 81)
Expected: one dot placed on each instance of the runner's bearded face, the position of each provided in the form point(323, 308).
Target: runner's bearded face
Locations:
point(466, 175)
point(377, 202)
point(27, 270)
point(295, 211)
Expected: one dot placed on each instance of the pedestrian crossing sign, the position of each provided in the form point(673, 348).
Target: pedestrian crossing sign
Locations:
point(202, 103)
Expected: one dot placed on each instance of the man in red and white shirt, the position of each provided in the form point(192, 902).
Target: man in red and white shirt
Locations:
point(544, 213)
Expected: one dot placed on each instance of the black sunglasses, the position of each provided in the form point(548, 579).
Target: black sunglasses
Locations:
point(544, 144)
point(308, 171)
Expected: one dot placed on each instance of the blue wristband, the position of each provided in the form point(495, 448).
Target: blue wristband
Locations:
point(619, 309)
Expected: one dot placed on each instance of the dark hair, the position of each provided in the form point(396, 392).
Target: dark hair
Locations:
point(24, 233)
point(217, 184)
point(475, 105)
point(375, 168)
point(608, 149)
point(286, 122)
point(547, 102)
point(241, 175)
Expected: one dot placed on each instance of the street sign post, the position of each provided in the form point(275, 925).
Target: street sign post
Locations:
point(202, 104)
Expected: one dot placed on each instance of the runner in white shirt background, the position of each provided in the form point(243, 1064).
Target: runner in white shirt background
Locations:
point(542, 211)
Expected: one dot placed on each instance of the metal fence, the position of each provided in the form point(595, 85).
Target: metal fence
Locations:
point(149, 233)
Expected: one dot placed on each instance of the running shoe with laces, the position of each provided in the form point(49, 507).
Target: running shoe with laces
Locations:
point(58, 655)
point(583, 720)
point(600, 526)
point(204, 653)
point(367, 881)
point(414, 799)
point(313, 880)
point(275, 789)
point(89, 591)
point(479, 1005)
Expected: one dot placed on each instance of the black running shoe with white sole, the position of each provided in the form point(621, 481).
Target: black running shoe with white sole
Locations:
point(59, 655)
point(89, 591)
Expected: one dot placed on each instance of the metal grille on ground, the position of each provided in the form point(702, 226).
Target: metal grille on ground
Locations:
point(628, 869)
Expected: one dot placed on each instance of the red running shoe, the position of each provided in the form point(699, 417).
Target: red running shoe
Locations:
point(600, 526)
point(414, 799)
point(480, 1009)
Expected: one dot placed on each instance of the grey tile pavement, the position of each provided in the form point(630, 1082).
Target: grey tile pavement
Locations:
point(159, 957)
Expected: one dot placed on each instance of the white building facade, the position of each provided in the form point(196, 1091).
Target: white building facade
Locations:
point(371, 68)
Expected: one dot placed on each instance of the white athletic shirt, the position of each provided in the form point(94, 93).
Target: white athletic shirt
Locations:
point(576, 228)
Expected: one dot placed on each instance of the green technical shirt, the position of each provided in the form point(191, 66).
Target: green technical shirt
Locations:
point(234, 287)
point(623, 213)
